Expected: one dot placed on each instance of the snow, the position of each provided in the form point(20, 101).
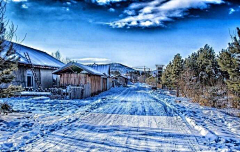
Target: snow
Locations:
point(133, 118)
point(105, 69)
point(123, 69)
point(37, 57)
point(85, 68)
point(27, 93)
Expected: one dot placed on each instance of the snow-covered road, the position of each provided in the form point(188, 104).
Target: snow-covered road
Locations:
point(125, 119)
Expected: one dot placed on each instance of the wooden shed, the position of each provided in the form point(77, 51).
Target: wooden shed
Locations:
point(76, 74)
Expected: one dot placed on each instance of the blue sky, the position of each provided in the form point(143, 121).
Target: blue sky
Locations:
point(133, 33)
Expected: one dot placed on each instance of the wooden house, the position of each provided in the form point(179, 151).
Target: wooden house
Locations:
point(105, 70)
point(76, 74)
point(41, 66)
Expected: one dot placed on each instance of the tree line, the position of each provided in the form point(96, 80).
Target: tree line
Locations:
point(58, 56)
point(207, 78)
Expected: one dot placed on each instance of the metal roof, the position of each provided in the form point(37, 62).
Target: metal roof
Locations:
point(38, 58)
point(85, 68)
point(103, 68)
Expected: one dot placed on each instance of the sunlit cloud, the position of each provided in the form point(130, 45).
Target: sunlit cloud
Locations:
point(232, 10)
point(19, 0)
point(92, 60)
point(105, 2)
point(24, 6)
point(150, 13)
point(157, 12)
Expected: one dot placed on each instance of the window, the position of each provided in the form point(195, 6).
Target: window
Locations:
point(29, 79)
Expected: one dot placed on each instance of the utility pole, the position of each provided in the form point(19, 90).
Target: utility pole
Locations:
point(143, 70)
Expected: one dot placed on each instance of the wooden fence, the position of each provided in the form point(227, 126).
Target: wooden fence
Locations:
point(77, 92)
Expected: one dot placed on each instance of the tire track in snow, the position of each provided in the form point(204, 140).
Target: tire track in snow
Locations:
point(195, 146)
point(132, 120)
point(75, 116)
point(110, 118)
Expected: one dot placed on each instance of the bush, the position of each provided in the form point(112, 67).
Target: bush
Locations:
point(5, 108)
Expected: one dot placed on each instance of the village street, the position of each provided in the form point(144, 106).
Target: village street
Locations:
point(134, 118)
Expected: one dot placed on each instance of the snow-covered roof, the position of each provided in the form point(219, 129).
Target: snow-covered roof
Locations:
point(103, 68)
point(71, 65)
point(38, 58)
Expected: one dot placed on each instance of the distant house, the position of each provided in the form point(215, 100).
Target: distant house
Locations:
point(120, 80)
point(76, 74)
point(43, 63)
point(104, 69)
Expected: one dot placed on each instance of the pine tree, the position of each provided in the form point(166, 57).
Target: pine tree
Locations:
point(187, 84)
point(200, 73)
point(229, 61)
point(190, 64)
point(8, 58)
point(207, 66)
point(177, 68)
point(166, 76)
point(225, 61)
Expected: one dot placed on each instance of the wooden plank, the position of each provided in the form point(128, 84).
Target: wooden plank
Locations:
point(92, 84)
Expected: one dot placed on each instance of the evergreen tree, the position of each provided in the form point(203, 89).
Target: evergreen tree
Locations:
point(190, 64)
point(207, 66)
point(8, 58)
point(166, 76)
point(189, 76)
point(229, 61)
point(177, 68)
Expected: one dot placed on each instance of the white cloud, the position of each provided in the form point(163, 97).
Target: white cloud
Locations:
point(105, 2)
point(93, 60)
point(231, 10)
point(19, 0)
point(24, 6)
point(156, 12)
point(111, 10)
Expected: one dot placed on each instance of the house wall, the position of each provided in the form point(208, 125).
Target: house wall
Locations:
point(21, 76)
point(73, 79)
point(96, 84)
point(104, 85)
point(92, 84)
point(46, 78)
point(109, 83)
point(44, 75)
